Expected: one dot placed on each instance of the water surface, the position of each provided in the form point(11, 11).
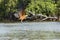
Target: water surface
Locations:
point(30, 31)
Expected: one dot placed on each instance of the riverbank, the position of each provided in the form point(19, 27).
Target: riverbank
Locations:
point(12, 21)
point(25, 21)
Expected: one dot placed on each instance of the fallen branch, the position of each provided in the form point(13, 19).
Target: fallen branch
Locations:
point(54, 18)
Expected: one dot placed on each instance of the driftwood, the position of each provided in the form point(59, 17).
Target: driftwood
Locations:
point(42, 17)
point(16, 15)
point(50, 18)
point(32, 16)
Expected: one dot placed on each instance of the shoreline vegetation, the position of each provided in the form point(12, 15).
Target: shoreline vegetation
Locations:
point(29, 11)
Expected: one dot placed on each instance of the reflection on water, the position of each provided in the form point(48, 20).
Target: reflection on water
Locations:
point(30, 31)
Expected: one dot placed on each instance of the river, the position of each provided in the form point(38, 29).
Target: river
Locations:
point(30, 31)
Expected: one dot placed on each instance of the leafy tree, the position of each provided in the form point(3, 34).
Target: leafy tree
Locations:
point(58, 9)
point(11, 5)
point(42, 6)
point(45, 7)
point(2, 8)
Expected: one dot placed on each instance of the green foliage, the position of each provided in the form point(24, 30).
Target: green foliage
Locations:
point(58, 3)
point(7, 6)
point(41, 6)
point(11, 5)
point(2, 8)
point(36, 6)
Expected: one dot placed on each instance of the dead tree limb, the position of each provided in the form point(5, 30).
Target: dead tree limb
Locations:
point(52, 18)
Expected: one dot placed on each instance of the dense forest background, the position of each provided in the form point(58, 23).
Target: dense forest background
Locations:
point(45, 7)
